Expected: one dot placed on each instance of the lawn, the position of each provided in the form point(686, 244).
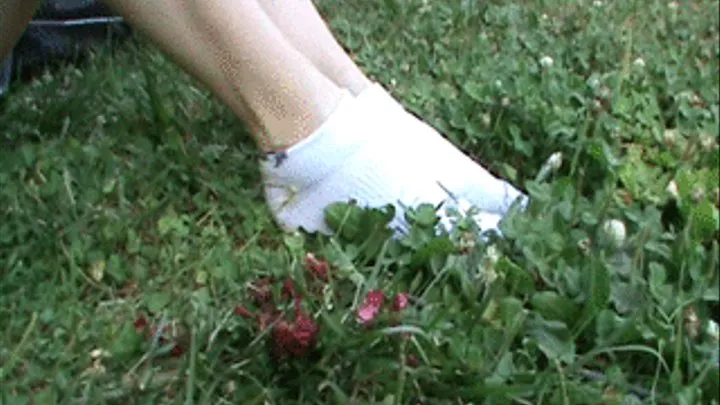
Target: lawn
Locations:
point(140, 266)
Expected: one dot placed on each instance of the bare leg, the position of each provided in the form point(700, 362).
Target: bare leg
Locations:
point(234, 48)
point(14, 18)
point(305, 28)
point(291, 79)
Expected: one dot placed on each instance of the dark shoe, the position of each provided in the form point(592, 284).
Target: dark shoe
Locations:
point(62, 30)
point(5, 74)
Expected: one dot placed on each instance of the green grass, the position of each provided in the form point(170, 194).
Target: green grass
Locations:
point(127, 193)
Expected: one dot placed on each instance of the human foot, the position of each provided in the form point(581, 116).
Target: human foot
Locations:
point(372, 151)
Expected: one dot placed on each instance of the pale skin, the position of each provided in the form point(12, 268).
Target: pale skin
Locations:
point(274, 63)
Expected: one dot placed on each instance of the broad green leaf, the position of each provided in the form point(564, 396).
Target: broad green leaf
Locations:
point(631, 399)
point(474, 90)
point(606, 324)
point(552, 338)
point(597, 291)
point(126, 342)
point(344, 217)
point(554, 307)
point(626, 298)
point(439, 247)
point(509, 310)
point(156, 302)
point(704, 220)
point(504, 370)
point(657, 281)
point(517, 279)
point(172, 223)
point(425, 215)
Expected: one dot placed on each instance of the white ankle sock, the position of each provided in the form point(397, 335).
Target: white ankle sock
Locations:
point(372, 151)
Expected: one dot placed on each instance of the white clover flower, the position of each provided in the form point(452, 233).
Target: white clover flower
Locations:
point(670, 135)
point(639, 63)
point(673, 5)
point(486, 120)
point(615, 229)
point(598, 3)
point(698, 194)
point(672, 189)
point(692, 322)
point(492, 256)
point(707, 142)
point(584, 246)
point(546, 62)
point(230, 387)
point(604, 92)
point(551, 165)
point(555, 160)
point(594, 82)
point(713, 330)
point(98, 353)
point(97, 270)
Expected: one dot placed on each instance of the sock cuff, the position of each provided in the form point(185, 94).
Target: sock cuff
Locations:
point(342, 135)
point(376, 94)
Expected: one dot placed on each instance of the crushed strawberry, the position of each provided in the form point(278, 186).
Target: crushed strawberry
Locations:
point(177, 351)
point(412, 361)
point(140, 323)
point(288, 289)
point(149, 331)
point(243, 312)
point(401, 301)
point(371, 306)
point(296, 338)
point(318, 268)
point(260, 291)
point(292, 334)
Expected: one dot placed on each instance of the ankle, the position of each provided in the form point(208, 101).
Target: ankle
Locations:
point(299, 119)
